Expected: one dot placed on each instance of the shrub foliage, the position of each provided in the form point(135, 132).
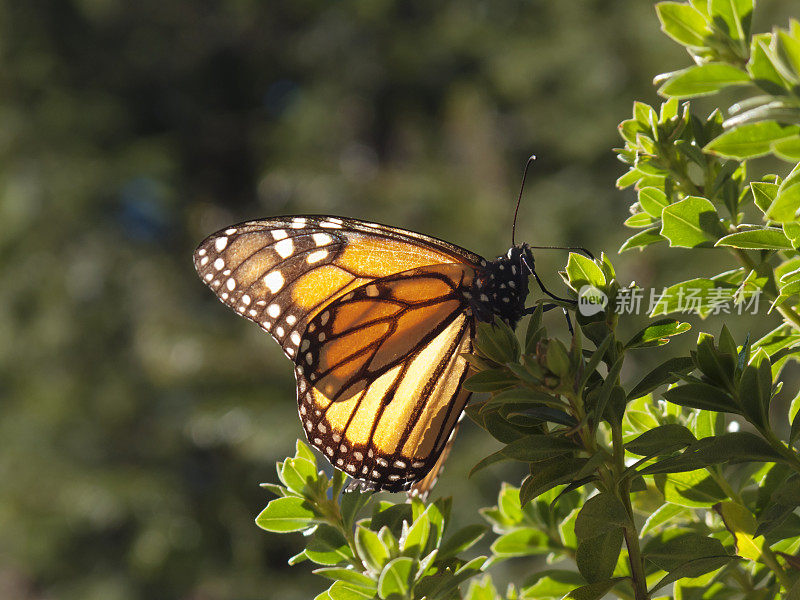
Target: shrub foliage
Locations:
point(676, 482)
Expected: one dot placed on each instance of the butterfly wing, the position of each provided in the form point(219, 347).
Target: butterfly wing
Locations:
point(375, 319)
point(282, 271)
point(379, 374)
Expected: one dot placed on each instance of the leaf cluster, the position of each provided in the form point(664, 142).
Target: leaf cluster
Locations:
point(399, 551)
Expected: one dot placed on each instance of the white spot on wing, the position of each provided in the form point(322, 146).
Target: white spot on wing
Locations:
point(220, 243)
point(279, 234)
point(285, 248)
point(274, 281)
point(321, 239)
point(273, 310)
point(316, 256)
point(231, 284)
point(218, 264)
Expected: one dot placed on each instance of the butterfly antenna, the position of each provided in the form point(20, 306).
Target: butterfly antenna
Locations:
point(519, 198)
point(577, 248)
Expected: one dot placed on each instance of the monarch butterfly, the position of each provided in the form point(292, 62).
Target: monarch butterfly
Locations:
point(376, 320)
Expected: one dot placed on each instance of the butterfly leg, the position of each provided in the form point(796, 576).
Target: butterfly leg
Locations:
point(546, 307)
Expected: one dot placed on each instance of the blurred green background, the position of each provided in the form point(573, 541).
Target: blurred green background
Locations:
point(137, 415)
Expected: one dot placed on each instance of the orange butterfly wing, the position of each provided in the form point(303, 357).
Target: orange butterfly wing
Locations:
point(375, 319)
point(380, 371)
point(280, 272)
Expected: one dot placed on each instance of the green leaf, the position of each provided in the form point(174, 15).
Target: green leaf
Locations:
point(525, 541)
point(461, 540)
point(608, 390)
point(371, 549)
point(286, 514)
point(663, 374)
point(764, 194)
point(665, 513)
point(750, 140)
point(551, 583)
point(761, 65)
point(352, 503)
point(657, 333)
point(547, 474)
point(597, 556)
point(594, 360)
point(600, 514)
point(346, 591)
point(414, 541)
point(396, 577)
point(664, 439)
point(717, 366)
point(490, 380)
point(303, 451)
point(299, 475)
point(482, 589)
point(347, 575)
point(497, 341)
point(794, 408)
point(764, 238)
point(700, 296)
point(683, 23)
point(786, 204)
point(703, 396)
point(737, 447)
point(788, 149)
point(653, 201)
point(537, 447)
point(642, 239)
point(701, 80)
point(789, 50)
point(594, 591)
point(582, 271)
point(328, 546)
point(690, 223)
point(755, 389)
point(735, 14)
point(695, 489)
point(741, 524)
point(693, 568)
point(669, 550)
point(557, 358)
point(389, 515)
point(639, 220)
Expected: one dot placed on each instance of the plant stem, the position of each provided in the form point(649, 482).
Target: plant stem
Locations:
point(770, 560)
point(630, 532)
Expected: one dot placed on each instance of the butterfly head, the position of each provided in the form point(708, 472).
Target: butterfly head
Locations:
point(501, 287)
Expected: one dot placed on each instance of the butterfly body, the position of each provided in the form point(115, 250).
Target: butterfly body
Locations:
point(376, 320)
